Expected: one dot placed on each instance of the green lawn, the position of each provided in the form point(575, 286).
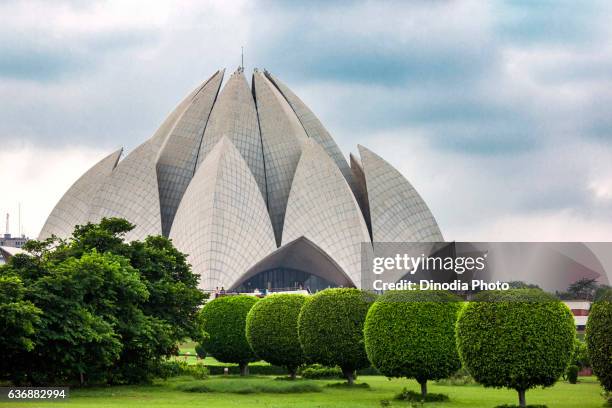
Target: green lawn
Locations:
point(189, 348)
point(586, 394)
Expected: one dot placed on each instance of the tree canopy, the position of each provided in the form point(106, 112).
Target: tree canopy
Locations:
point(110, 310)
point(516, 339)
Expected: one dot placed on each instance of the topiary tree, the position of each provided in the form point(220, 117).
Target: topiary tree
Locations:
point(271, 330)
point(599, 340)
point(224, 320)
point(412, 334)
point(330, 328)
point(516, 339)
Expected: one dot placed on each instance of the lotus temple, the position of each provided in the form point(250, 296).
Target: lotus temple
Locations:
point(248, 182)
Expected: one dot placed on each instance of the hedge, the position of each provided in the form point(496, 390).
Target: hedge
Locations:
point(599, 341)
point(412, 334)
point(271, 330)
point(224, 320)
point(330, 328)
point(516, 339)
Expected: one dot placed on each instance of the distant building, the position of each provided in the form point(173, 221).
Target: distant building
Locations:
point(580, 310)
point(8, 241)
point(15, 242)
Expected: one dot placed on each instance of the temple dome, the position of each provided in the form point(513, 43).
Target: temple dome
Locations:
point(249, 183)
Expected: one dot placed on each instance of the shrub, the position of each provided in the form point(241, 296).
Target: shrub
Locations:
point(255, 369)
point(330, 328)
point(599, 341)
point(572, 374)
point(412, 334)
point(172, 368)
point(271, 330)
point(458, 378)
point(224, 320)
point(200, 351)
point(250, 386)
point(580, 354)
point(516, 339)
point(176, 368)
point(198, 371)
point(347, 385)
point(318, 371)
point(412, 396)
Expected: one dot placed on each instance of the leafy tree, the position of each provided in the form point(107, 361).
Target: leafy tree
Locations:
point(330, 328)
point(583, 289)
point(580, 355)
point(522, 285)
point(516, 339)
point(112, 310)
point(271, 330)
point(412, 334)
point(76, 338)
point(224, 320)
point(18, 320)
point(599, 340)
point(603, 292)
point(169, 310)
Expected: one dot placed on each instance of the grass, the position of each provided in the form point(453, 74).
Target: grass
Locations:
point(189, 348)
point(585, 394)
point(249, 385)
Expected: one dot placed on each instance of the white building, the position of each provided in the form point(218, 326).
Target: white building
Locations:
point(248, 182)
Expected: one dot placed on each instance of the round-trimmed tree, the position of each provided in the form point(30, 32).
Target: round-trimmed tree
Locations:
point(224, 321)
point(517, 339)
point(412, 334)
point(271, 330)
point(599, 341)
point(330, 328)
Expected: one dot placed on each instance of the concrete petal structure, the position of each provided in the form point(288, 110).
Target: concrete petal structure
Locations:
point(314, 128)
point(73, 208)
point(223, 221)
point(323, 209)
point(177, 158)
point(249, 183)
point(397, 211)
point(282, 138)
point(235, 116)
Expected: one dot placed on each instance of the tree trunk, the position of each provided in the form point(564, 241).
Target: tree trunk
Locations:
point(349, 375)
point(522, 402)
point(423, 388)
point(244, 369)
point(292, 372)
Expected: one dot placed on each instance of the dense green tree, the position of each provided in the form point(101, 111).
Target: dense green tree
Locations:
point(111, 310)
point(412, 334)
point(603, 292)
point(516, 339)
point(522, 285)
point(18, 320)
point(330, 328)
point(599, 340)
point(580, 355)
point(224, 321)
point(583, 289)
point(271, 330)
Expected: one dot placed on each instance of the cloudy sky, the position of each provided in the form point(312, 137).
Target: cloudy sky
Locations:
point(500, 113)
